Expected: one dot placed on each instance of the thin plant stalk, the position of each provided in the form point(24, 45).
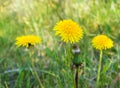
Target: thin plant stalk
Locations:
point(68, 56)
point(73, 74)
point(73, 79)
point(36, 74)
point(6, 85)
point(99, 68)
point(76, 77)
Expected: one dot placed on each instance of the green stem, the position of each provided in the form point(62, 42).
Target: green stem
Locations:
point(73, 76)
point(99, 68)
point(76, 77)
point(36, 74)
point(6, 85)
point(68, 55)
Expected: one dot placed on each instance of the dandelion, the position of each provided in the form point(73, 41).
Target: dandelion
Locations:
point(27, 41)
point(101, 42)
point(69, 31)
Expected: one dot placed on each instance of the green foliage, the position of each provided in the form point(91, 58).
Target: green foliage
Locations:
point(23, 17)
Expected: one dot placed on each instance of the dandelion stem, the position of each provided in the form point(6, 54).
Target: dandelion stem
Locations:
point(76, 77)
point(99, 68)
point(6, 85)
point(36, 74)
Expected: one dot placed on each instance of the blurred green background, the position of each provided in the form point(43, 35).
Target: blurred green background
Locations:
point(38, 17)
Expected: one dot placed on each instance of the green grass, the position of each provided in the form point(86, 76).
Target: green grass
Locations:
point(38, 17)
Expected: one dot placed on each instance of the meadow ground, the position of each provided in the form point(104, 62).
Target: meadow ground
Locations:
point(51, 60)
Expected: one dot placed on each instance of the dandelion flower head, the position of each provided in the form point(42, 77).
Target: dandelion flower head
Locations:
point(102, 42)
point(26, 41)
point(69, 31)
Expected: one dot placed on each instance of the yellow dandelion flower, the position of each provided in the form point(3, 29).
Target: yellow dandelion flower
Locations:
point(69, 31)
point(26, 41)
point(102, 42)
